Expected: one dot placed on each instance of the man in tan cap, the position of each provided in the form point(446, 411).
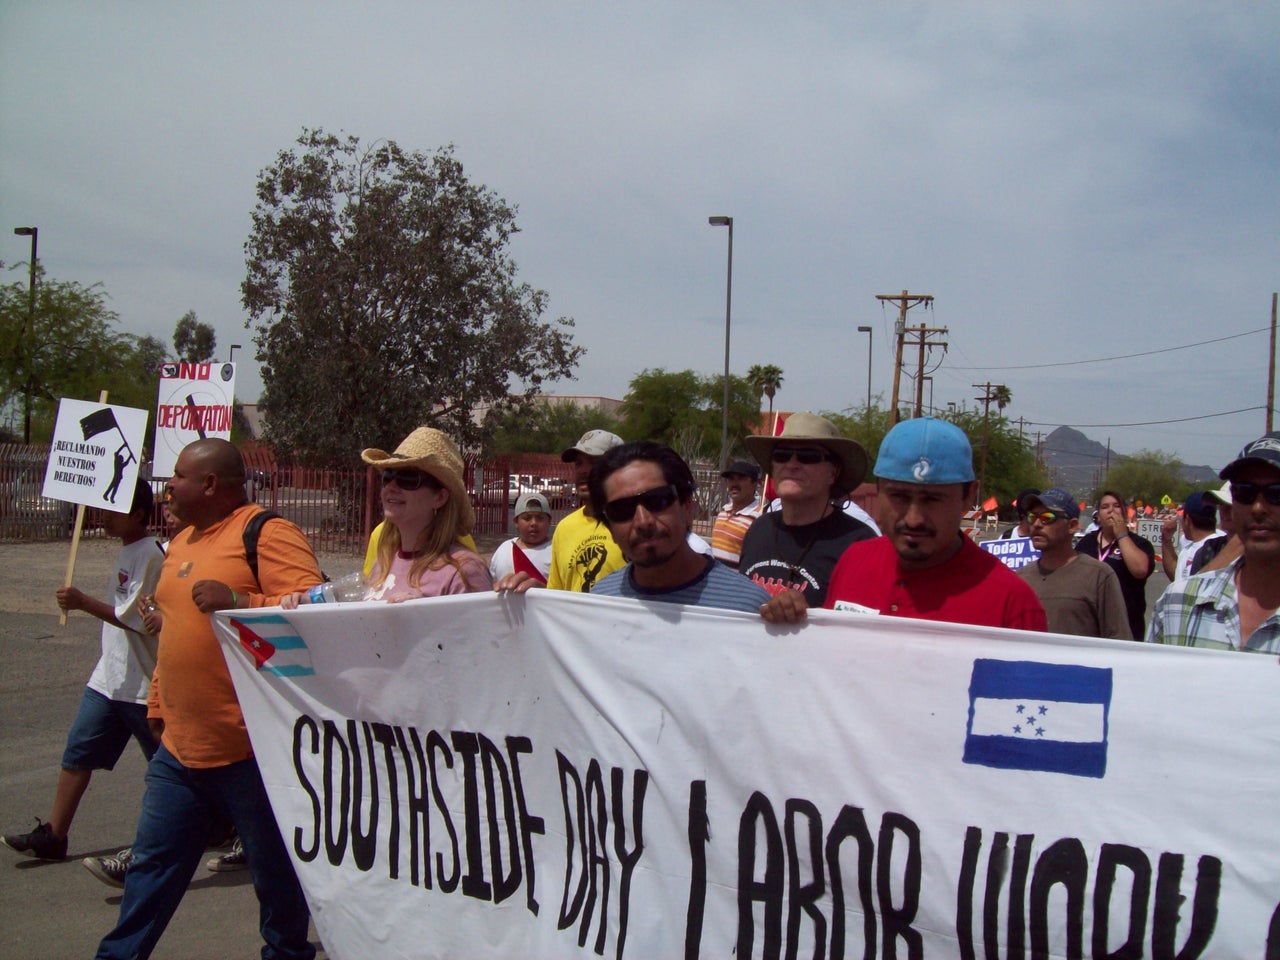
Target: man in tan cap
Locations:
point(796, 548)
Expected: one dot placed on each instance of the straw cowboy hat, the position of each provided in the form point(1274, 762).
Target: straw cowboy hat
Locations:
point(811, 428)
point(429, 450)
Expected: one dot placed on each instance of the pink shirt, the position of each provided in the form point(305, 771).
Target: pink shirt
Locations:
point(441, 582)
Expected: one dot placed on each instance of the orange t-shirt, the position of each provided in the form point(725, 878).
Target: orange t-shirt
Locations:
point(191, 688)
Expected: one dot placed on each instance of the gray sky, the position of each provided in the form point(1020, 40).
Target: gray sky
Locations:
point(1069, 181)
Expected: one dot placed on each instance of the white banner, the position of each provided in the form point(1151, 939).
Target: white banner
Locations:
point(558, 775)
point(94, 456)
point(195, 403)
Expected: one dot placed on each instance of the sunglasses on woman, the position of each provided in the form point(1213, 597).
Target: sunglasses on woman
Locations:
point(1245, 493)
point(654, 501)
point(409, 479)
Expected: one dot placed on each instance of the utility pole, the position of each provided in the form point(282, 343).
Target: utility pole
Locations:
point(905, 302)
point(989, 393)
point(1271, 368)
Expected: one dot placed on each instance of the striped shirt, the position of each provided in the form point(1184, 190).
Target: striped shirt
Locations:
point(731, 526)
point(716, 586)
point(1204, 611)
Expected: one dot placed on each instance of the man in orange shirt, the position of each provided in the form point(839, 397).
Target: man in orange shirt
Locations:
point(205, 764)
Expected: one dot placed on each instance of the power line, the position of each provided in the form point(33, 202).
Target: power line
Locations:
point(1145, 423)
point(1127, 356)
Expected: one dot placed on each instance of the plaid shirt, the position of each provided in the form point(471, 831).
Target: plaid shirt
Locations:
point(1204, 611)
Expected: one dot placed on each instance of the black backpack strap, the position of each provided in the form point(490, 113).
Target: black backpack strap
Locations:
point(252, 530)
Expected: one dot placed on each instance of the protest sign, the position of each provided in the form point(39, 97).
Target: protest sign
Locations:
point(195, 403)
point(1014, 552)
point(93, 459)
point(556, 775)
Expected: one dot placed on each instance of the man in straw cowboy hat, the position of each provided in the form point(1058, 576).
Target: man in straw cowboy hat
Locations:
point(795, 549)
point(924, 566)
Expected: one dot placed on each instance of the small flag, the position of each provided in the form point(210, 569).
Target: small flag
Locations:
point(100, 421)
point(275, 646)
point(1049, 717)
point(989, 504)
point(522, 564)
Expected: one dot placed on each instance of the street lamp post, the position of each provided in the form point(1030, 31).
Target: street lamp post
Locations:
point(231, 354)
point(728, 312)
point(34, 234)
point(867, 331)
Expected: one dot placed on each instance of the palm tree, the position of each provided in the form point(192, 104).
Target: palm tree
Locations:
point(1002, 396)
point(767, 379)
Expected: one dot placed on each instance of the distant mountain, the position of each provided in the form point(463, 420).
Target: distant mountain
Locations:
point(1079, 464)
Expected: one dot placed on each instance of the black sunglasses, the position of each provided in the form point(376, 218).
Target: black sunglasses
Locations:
point(806, 455)
point(1245, 493)
point(654, 501)
point(409, 479)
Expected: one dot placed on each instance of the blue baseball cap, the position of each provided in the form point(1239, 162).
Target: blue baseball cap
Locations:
point(1057, 500)
point(925, 450)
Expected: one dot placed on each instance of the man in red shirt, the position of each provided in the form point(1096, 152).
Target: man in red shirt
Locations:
point(923, 566)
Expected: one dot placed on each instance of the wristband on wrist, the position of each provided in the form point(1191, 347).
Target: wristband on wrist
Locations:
point(1121, 537)
point(235, 601)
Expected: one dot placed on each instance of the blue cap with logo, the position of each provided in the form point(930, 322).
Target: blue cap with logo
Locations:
point(1057, 500)
point(925, 450)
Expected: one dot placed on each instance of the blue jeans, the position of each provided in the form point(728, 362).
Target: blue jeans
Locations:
point(177, 809)
point(101, 731)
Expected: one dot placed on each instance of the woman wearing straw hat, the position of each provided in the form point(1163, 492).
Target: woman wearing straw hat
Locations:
point(427, 510)
point(425, 502)
point(796, 548)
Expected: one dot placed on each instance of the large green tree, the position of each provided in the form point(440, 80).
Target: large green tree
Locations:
point(382, 296)
point(70, 348)
point(195, 342)
point(1148, 475)
point(685, 407)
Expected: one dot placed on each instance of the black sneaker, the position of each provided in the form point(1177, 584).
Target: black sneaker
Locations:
point(40, 842)
point(235, 860)
point(110, 870)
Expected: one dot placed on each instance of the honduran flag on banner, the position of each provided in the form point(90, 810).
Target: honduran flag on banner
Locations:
point(1051, 717)
point(274, 645)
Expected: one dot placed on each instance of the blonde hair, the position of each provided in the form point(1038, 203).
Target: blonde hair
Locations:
point(435, 545)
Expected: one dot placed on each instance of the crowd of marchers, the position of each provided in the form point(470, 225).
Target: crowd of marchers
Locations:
point(162, 681)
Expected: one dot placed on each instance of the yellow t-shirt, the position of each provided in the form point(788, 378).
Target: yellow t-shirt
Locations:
point(582, 553)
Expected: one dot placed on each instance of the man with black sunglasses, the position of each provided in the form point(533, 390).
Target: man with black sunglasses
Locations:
point(795, 549)
point(1235, 607)
point(645, 492)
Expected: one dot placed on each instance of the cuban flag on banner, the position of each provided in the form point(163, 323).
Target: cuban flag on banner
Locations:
point(274, 646)
point(1048, 717)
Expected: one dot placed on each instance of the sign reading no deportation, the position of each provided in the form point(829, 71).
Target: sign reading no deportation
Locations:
point(95, 453)
point(195, 403)
point(558, 775)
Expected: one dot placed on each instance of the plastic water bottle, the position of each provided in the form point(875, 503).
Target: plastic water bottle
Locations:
point(346, 589)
